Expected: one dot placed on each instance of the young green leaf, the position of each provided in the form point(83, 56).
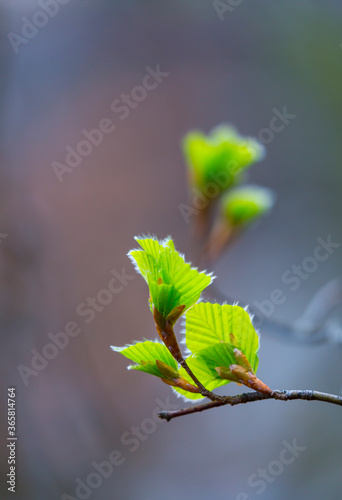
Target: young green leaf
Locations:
point(172, 282)
point(220, 156)
point(243, 205)
point(207, 324)
point(145, 356)
point(232, 365)
point(217, 355)
point(222, 355)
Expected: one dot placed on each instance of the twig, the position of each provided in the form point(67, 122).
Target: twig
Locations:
point(203, 390)
point(166, 333)
point(249, 397)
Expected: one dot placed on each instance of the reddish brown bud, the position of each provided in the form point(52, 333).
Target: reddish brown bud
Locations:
point(242, 360)
point(233, 339)
point(181, 383)
point(249, 379)
point(166, 370)
point(175, 314)
point(225, 373)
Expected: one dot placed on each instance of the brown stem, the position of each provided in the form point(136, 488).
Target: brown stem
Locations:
point(249, 397)
point(167, 335)
point(203, 390)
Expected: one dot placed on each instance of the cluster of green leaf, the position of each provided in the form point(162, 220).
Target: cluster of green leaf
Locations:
point(171, 281)
point(219, 338)
point(222, 158)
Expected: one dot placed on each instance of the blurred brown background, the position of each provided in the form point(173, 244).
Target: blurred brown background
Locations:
point(64, 239)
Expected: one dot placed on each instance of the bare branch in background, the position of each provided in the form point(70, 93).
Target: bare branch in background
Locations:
point(314, 326)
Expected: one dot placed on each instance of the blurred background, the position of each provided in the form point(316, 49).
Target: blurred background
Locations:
point(61, 238)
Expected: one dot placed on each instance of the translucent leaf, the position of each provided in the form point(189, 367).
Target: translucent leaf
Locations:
point(164, 297)
point(144, 354)
point(217, 355)
point(221, 155)
point(242, 205)
point(172, 281)
point(221, 355)
point(145, 264)
point(232, 365)
point(207, 324)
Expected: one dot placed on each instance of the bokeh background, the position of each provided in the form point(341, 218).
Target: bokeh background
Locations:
point(63, 239)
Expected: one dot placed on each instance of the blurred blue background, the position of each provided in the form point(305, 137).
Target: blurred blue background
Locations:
point(64, 238)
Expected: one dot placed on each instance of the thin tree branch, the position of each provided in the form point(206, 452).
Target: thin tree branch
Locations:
point(249, 397)
point(203, 390)
point(166, 333)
